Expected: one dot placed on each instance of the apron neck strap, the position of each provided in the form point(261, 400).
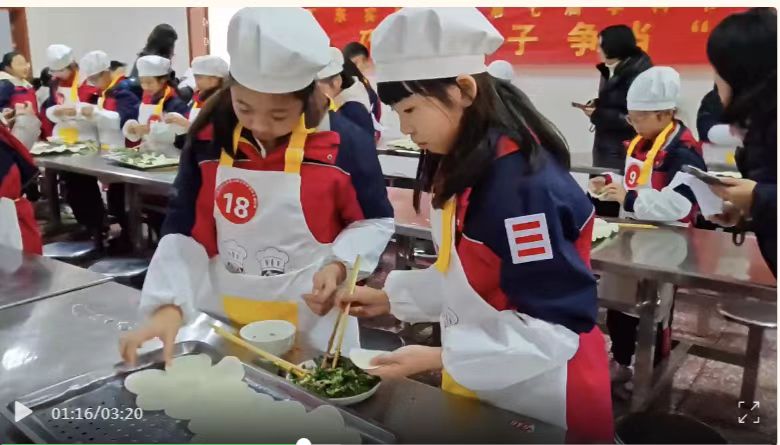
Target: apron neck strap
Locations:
point(74, 87)
point(332, 104)
point(442, 263)
point(102, 99)
point(293, 155)
point(658, 144)
point(158, 109)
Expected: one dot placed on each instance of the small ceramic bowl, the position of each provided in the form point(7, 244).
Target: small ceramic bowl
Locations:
point(274, 336)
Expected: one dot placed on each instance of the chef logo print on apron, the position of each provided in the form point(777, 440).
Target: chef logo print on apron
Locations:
point(237, 201)
point(272, 262)
point(234, 254)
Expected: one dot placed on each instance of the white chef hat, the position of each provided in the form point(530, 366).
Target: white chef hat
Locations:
point(153, 66)
point(335, 66)
point(58, 57)
point(501, 69)
point(432, 43)
point(276, 50)
point(94, 62)
point(656, 89)
point(210, 66)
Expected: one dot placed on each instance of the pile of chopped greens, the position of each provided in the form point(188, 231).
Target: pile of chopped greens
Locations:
point(346, 380)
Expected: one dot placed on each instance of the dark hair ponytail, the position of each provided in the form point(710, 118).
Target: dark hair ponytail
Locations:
point(498, 105)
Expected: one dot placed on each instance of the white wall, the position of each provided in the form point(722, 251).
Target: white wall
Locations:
point(219, 18)
point(120, 32)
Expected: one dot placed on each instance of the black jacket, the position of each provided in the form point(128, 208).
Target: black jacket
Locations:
point(757, 160)
point(609, 117)
point(709, 114)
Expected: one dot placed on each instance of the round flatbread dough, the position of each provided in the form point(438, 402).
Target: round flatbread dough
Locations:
point(151, 401)
point(229, 369)
point(323, 424)
point(223, 400)
point(190, 364)
point(362, 357)
point(145, 381)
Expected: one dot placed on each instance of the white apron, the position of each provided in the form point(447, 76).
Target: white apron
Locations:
point(109, 131)
point(73, 129)
point(638, 176)
point(10, 232)
point(194, 111)
point(161, 135)
point(267, 255)
point(542, 396)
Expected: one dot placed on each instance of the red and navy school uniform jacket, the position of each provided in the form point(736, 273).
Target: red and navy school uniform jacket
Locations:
point(554, 282)
point(122, 99)
point(682, 149)
point(17, 169)
point(341, 182)
point(12, 94)
point(559, 290)
point(357, 113)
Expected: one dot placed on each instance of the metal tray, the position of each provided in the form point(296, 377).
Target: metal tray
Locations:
point(105, 389)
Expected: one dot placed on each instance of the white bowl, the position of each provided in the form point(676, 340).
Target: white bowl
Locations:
point(343, 401)
point(274, 336)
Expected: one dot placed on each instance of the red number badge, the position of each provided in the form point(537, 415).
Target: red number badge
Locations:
point(632, 176)
point(237, 201)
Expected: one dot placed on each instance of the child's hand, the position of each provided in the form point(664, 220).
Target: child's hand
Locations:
point(597, 184)
point(615, 192)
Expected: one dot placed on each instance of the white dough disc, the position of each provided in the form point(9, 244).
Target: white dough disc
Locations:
point(151, 402)
point(362, 357)
point(190, 364)
point(145, 381)
point(229, 368)
point(222, 400)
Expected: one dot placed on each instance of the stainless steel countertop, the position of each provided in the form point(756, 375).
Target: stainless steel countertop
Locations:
point(58, 338)
point(582, 162)
point(690, 257)
point(26, 277)
point(96, 165)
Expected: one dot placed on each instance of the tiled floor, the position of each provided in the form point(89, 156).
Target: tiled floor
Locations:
point(709, 391)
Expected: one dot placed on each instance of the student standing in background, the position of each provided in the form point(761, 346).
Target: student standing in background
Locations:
point(621, 61)
point(743, 51)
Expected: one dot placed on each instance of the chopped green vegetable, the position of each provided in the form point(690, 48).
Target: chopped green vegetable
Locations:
point(346, 380)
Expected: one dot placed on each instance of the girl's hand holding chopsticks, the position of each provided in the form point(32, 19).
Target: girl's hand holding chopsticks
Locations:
point(325, 285)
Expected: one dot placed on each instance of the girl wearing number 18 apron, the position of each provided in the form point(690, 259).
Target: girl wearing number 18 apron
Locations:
point(268, 217)
point(512, 287)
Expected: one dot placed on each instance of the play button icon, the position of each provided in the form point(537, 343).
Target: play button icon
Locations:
point(20, 411)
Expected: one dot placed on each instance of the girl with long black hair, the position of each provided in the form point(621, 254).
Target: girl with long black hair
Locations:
point(512, 286)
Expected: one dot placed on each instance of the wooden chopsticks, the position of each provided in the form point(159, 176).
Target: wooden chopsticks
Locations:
point(637, 226)
point(341, 321)
point(280, 362)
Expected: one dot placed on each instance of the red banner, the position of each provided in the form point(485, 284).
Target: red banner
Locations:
point(543, 36)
